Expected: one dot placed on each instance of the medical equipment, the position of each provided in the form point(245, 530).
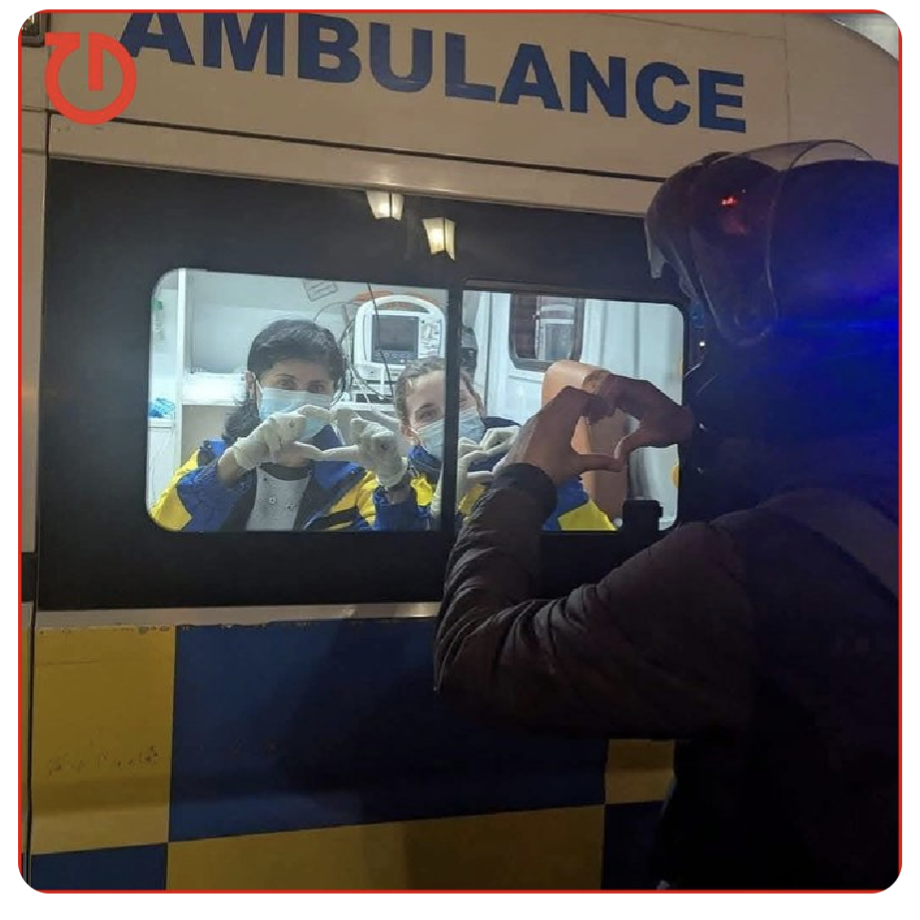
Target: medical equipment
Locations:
point(391, 331)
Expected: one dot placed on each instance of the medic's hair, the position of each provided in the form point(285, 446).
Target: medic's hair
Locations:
point(415, 371)
point(300, 339)
point(283, 340)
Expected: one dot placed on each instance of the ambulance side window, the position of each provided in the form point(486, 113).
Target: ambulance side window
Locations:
point(229, 349)
point(545, 329)
point(524, 335)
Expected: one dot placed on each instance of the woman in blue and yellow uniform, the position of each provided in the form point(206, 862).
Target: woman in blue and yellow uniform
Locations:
point(256, 477)
point(419, 401)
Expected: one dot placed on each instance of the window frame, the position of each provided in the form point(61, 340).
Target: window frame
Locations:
point(98, 547)
point(33, 30)
point(524, 363)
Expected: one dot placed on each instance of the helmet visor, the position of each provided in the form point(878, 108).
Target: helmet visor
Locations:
point(726, 245)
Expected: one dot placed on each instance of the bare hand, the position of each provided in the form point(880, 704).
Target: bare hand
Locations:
point(546, 440)
point(662, 422)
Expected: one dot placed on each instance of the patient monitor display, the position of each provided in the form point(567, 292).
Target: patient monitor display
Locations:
point(392, 331)
point(395, 339)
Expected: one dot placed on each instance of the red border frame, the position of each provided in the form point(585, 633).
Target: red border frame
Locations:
point(21, 847)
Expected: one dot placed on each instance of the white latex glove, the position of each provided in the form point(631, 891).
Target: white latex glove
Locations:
point(499, 440)
point(505, 438)
point(468, 454)
point(277, 432)
point(373, 446)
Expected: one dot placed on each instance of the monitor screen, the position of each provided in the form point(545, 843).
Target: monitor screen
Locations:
point(395, 334)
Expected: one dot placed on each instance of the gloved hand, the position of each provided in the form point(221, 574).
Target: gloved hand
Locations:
point(468, 453)
point(496, 441)
point(499, 440)
point(373, 446)
point(278, 432)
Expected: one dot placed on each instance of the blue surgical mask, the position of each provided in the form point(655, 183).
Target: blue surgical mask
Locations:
point(471, 426)
point(274, 400)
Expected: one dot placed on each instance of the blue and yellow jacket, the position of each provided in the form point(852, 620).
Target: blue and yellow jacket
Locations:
point(339, 496)
point(574, 509)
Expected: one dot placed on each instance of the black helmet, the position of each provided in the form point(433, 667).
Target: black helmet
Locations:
point(792, 253)
point(782, 235)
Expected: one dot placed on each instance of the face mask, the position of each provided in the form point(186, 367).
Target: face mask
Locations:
point(470, 426)
point(290, 401)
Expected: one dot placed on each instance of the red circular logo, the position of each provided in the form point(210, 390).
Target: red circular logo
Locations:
point(64, 44)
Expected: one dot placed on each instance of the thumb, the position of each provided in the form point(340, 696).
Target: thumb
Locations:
point(386, 420)
point(586, 463)
point(468, 459)
point(641, 437)
point(309, 451)
point(479, 478)
point(343, 418)
point(318, 412)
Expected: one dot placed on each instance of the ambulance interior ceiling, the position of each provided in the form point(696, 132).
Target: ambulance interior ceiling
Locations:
point(261, 299)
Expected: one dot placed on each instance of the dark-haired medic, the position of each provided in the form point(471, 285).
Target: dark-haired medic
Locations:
point(256, 477)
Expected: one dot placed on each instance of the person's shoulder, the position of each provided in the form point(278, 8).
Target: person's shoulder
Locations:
point(697, 546)
point(572, 491)
point(422, 465)
point(748, 521)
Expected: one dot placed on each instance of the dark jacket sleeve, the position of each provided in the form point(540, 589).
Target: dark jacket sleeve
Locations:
point(662, 647)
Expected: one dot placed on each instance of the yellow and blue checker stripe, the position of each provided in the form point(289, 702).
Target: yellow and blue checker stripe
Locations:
point(310, 755)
